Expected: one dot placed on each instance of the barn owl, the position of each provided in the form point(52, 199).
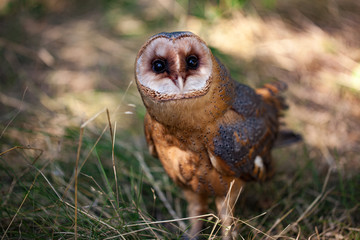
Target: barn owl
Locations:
point(211, 133)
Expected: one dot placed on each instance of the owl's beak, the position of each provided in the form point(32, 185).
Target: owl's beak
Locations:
point(180, 83)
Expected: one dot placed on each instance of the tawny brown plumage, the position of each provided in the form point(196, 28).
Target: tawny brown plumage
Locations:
point(207, 130)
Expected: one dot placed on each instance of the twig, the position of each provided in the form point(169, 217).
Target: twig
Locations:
point(353, 229)
point(110, 126)
point(299, 233)
point(213, 229)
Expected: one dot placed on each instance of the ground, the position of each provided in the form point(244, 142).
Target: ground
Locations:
point(64, 64)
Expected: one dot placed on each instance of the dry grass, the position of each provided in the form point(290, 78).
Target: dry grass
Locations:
point(71, 168)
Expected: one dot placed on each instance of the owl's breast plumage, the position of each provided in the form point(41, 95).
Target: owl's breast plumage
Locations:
point(186, 160)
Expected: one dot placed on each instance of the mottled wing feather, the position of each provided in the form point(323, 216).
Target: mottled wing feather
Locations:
point(247, 131)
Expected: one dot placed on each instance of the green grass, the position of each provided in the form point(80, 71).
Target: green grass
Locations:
point(48, 207)
point(38, 199)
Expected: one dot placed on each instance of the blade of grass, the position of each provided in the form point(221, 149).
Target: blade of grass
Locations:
point(157, 189)
point(148, 225)
point(132, 232)
point(12, 185)
point(227, 202)
point(112, 133)
point(73, 207)
point(254, 228)
point(108, 185)
point(279, 220)
point(83, 163)
point(23, 201)
point(26, 148)
point(20, 106)
point(81, 166)
point(172, 220)
point(317, 199)
point(76, 178)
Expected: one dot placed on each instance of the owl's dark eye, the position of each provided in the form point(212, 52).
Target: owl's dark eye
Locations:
point(192, 62)
point(159, 65)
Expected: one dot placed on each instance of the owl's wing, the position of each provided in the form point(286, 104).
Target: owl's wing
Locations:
point(245, 135)
point(148, 124)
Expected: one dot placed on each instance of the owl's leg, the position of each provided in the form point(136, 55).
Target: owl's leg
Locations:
point(225, 207)
point(197, 205)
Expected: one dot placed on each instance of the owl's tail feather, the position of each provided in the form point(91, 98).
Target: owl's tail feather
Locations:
point(275, 89)
point(271, 93)
point(286, 138)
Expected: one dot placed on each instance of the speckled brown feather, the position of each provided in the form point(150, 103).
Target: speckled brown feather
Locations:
point(247, 129)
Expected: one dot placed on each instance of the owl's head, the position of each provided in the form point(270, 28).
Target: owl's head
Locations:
point(172, 66)
point(180, 81)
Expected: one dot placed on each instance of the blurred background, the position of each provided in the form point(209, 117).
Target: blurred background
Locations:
point(64, 62)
